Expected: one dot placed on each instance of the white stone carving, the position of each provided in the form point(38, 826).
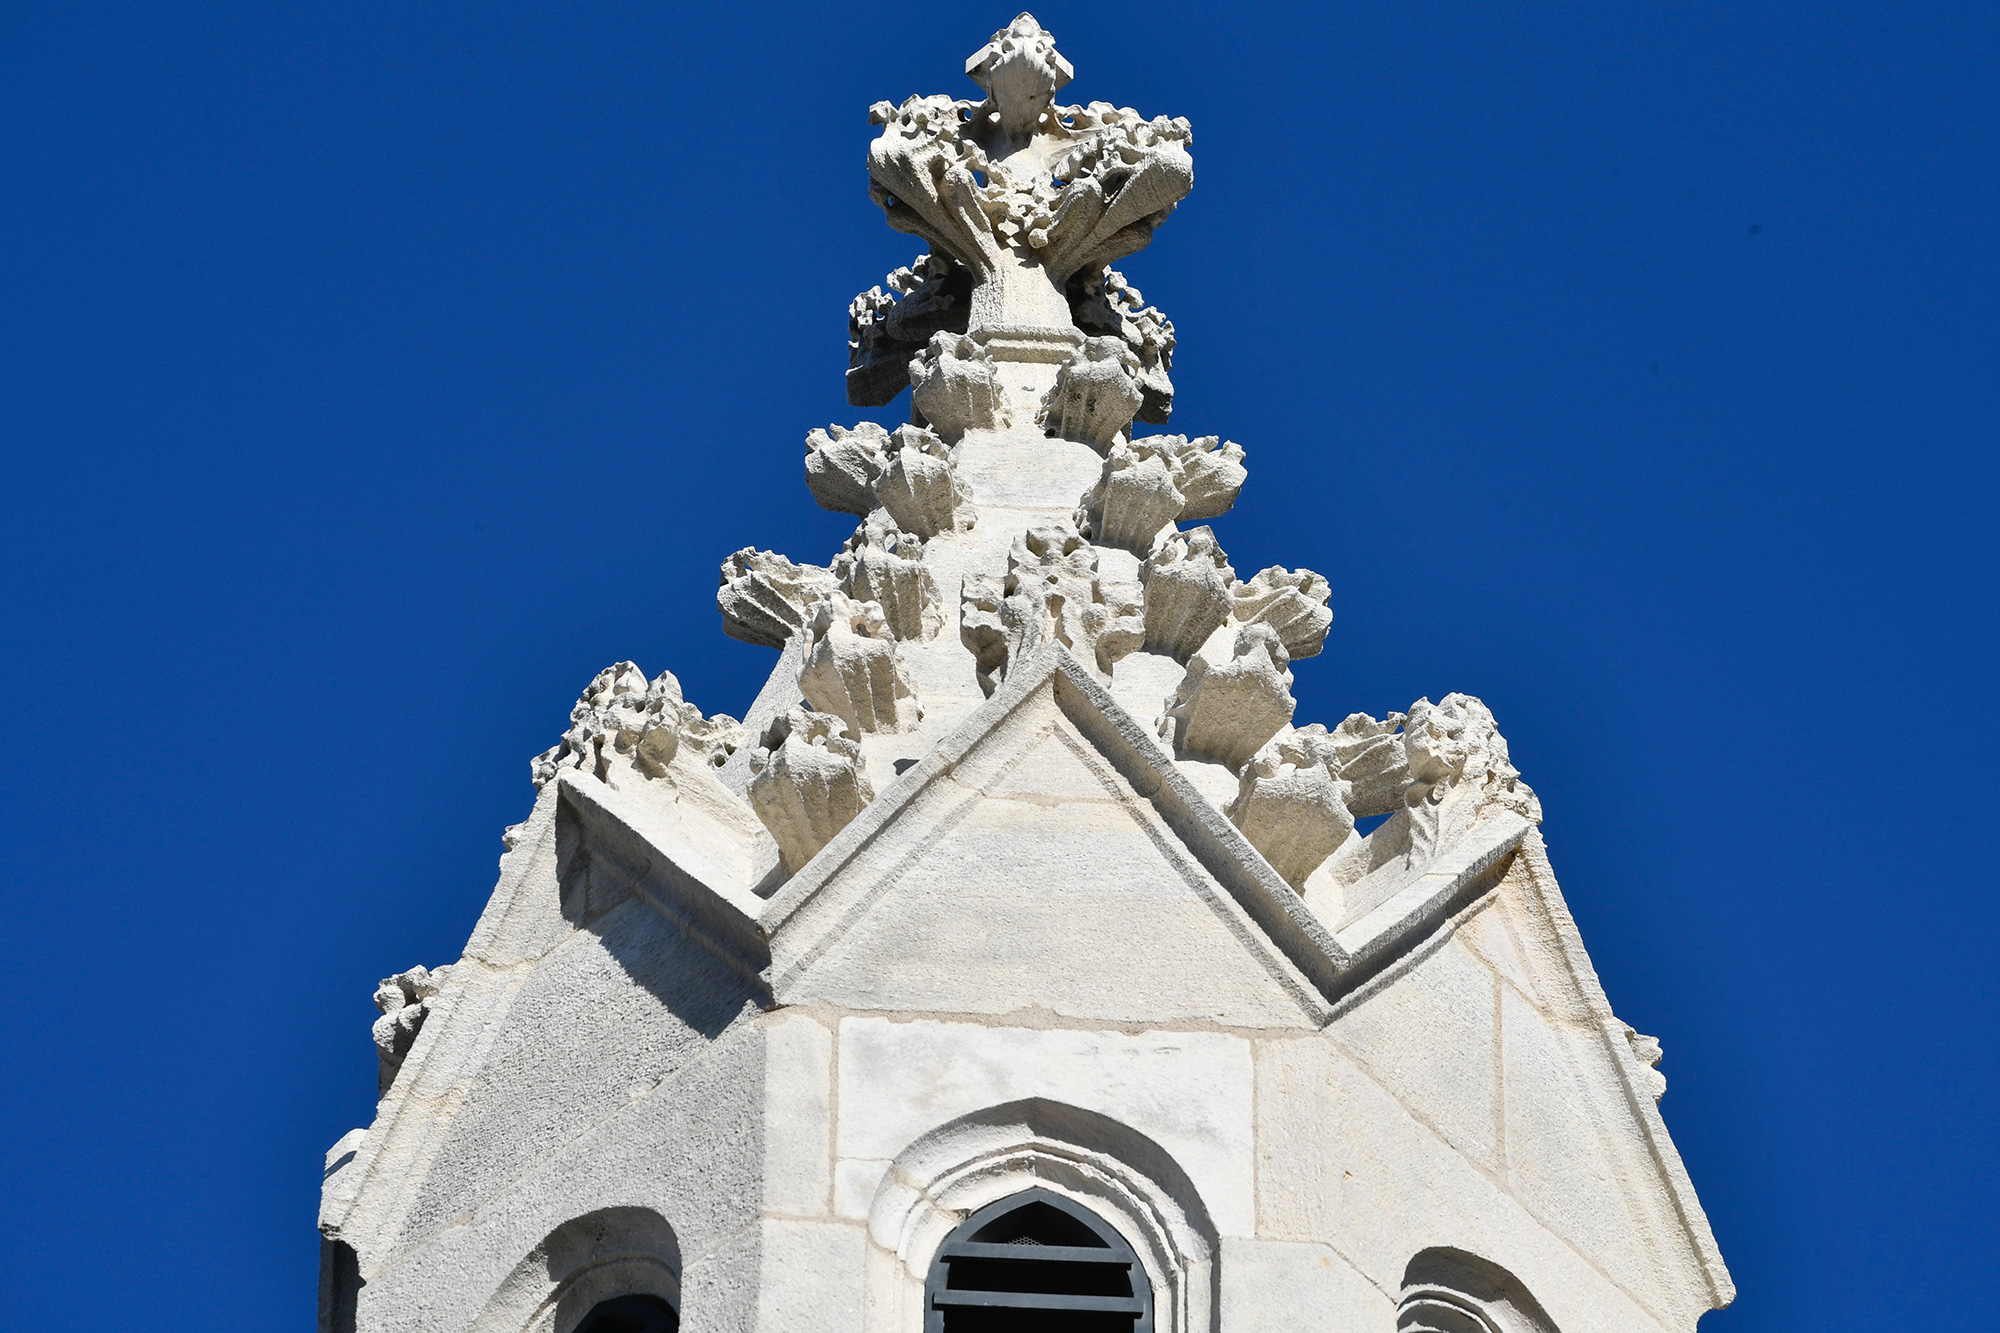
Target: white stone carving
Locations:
point(885, 565)
point(1105, 304)
point(887, 329)
point(1187, 582)
point(404, 1001)
point(919, 488)
point(807, 780)
point(1647, 1051)
point(1292, 805)
point(1291, 601)
point(853, 671)
point(765, 598)
point(1155, 480)
point(625, 726)
point(1095, 395)
point(1224, 713)
point(955, 386)
point(1024, 193)
point(842, 465)
point(1052, 593)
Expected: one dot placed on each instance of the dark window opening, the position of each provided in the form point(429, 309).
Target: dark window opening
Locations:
point(1038, 1262)
point(631, 1314)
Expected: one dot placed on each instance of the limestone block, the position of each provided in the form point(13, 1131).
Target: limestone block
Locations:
point(1105, 304)
point(798, 1109)
point(885, 565)
point(853, 670)
point(1051, 594)
point(1187, 582)
point(955, 387)
point(1225, 713)
point(842, 465)
point(765, 598)
point(812, 1275)
point(1095, 395)
point(1266, 1283)
point(1291, 601)
point(919, 488)
point(404, 1001)
point(1291, 806)
point(625, 727)
point(807, 780)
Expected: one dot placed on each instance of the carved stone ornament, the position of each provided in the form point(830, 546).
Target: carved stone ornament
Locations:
point(765, 598)
point(1104, 304)
point(886, 330)
point(1023, 193)
point(1291, 805)
point(807, 781)
point(885, 565)
point(853, 671)
point(1290, 601)
point(1155, 480)
point(1187, 582)
point(404, 1001)
point(1224, 713)
point(1051, 594)
point(919, 488)
point(1095, 395)
point(956, 387)
point(626, 726)
point(842, 465)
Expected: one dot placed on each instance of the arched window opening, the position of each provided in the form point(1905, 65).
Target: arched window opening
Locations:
point(1450, 1291)
point(631, 1314)
point(1036, 1261)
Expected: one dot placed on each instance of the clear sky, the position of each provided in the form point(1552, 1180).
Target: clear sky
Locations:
point(372, 374)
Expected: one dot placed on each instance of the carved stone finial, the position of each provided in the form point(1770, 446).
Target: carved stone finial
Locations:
point(842, 465)
point(1225, 713)
point(920, 489)
point(853, 671)
point(886, 330)
point(623, 724)
point(1094, 396)
point(955, 387)
point(1290, 601)
point(1051, 594)
point(1025, 194)
point(1104, 304)
point(885, 565)
point(806, 783)
point(765, 598)
point(1187, 582)
point(1291, 804)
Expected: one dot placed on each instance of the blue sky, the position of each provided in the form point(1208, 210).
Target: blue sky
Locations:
point(372, 374)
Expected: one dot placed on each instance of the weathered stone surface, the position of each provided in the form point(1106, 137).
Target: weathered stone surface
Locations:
point(1156, 480)
point(806, 783)
point(1291, 601)
point(1291, 805)
point(842, 465)
point(853, 671)
point(765, 598)
point(1223, 713)
point(886, 330)
point(885, 565)
point(919, 488)
point(1095, 395)
point(955, 387)
point(626, 726)
point(1051, 594)
point(1187, 582)
point(1105, 304)
point(404, 1001)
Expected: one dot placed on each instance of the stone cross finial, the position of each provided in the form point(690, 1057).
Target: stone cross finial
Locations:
point(1029, 197)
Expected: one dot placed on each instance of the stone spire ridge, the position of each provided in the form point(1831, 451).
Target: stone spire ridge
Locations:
point(1025, 204)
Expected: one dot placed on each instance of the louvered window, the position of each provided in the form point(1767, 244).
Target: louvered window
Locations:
point(1038, 1262)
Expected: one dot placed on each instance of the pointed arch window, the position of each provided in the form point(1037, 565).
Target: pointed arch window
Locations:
point(1037, 1261)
